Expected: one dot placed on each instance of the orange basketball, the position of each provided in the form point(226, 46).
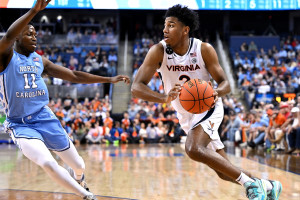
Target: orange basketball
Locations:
point(196, 96)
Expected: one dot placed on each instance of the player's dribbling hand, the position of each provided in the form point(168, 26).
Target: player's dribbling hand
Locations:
point(215, 94)
point(119, 78)
point(173, 93)
point(40, 5)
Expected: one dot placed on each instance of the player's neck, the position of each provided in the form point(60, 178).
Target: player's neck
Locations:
point(182, 47)
point(21, 51)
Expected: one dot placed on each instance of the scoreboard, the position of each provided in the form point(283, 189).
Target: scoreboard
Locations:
point(249, 4)
point(161, 4)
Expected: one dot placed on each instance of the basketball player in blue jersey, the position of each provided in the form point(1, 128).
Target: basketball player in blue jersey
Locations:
point(179, 58)
point(24, 95)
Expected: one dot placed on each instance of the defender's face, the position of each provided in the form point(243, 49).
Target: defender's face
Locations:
point(173, 31)
point(27, 39)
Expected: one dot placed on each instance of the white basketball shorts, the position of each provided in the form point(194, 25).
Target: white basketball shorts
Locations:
point(209, 120)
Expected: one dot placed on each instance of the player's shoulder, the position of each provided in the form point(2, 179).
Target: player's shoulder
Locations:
point(207, 50)
point(157, 48)
point(205, 46)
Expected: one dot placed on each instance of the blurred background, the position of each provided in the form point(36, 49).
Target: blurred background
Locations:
point(257, 42)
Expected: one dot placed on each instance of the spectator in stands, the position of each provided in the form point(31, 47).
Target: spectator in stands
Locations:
point(101, 113)
point(53, 57)
point(85, 38)
point(95, 134)
point(264, 87)
point(71, 36)
point(110, 37)
point(101, 36)
point(252, 46)
point(143, 132)
point(80, 133)
point(112, 69)
point(77, 48)
point(68, 129)
point(115, 133)
point(126, 121)
point(244, 47)
point(83, 53)
point(133, 133)
point(104, 63)
point(73, 63)
point(293, 131)
point(282, 53)
point(40, 34)
point(237, 60)
point(108, 120)
point(112, 56)
point(93, 37)
point(132, 111)
point(152, 135)
point(280, 87)
point(47, 35)
point(257, 130)
point(274, 132)
point(39, 50)
point(78, 36)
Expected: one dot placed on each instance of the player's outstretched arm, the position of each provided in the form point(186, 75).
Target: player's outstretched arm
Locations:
point(139, 88)
point(7, 41)
point(57, 71)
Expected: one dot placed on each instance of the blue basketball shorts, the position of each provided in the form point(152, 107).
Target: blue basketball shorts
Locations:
point(42, 125)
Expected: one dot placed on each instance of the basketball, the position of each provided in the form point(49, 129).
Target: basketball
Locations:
point(196, 96)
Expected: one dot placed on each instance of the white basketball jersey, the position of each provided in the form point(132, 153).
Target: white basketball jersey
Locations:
point(179, 69)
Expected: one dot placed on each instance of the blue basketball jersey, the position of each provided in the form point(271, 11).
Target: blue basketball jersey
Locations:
point(22, 88)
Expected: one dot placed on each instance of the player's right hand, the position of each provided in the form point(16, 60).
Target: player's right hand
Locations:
point(173, 93)
point(215, 94)
point(40, 5)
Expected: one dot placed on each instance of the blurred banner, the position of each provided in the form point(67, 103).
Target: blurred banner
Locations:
point(161, 4)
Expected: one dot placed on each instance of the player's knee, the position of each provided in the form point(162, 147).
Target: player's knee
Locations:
point(195, 152)
point(79, 165)
point(49, 166)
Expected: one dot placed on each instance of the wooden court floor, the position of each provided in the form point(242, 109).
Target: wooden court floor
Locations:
point(151, 172)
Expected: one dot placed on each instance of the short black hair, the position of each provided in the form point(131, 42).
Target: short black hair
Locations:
point(185, 15)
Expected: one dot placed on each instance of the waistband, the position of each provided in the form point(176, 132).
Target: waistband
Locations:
point(26, 119)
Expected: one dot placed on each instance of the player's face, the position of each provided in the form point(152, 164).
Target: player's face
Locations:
point(173, 31)
point(28, 39)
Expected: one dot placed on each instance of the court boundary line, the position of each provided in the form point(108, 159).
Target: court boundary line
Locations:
point(65, 193)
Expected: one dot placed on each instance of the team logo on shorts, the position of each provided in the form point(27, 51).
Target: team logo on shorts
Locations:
point(211, 128)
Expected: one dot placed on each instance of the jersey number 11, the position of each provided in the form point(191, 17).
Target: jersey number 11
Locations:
point(33, 84)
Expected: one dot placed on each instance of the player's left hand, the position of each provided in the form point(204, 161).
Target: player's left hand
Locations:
point(40, 5)
point(215, 94)
point(173, 93)
point(119, 78)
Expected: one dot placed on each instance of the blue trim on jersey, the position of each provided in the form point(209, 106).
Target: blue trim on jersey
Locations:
point(5, 94)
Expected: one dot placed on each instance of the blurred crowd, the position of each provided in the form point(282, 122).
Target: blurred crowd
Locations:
point(273, 71)
point(90, 121)
point(274, 128)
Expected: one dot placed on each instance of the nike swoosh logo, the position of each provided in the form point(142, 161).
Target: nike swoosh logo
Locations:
point(170, 58)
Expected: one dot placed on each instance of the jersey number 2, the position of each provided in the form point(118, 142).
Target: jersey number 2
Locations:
point(33, 84)
point(184, 78)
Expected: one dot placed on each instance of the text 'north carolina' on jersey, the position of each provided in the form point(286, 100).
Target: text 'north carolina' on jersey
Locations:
point(22, 88)
point(179, 69)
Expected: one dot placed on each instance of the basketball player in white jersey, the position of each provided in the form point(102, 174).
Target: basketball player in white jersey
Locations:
point(179, 58)
point(23, 93)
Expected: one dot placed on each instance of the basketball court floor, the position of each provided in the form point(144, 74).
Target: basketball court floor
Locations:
point(154, 172)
